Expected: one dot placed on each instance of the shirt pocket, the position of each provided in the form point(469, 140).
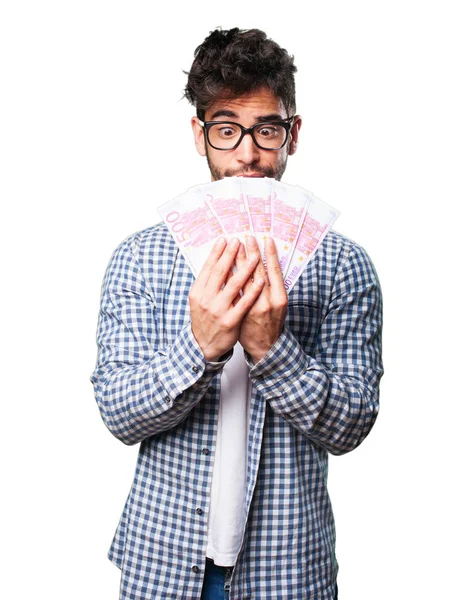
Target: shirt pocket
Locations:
point(304, 319)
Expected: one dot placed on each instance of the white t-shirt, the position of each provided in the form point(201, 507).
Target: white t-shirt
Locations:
point(227, 510)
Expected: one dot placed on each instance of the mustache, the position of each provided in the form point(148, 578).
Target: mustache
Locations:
point(262, 172)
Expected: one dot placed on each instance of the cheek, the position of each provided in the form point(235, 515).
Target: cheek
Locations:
point(279, 160)
point(281, 155)
point(217, 158)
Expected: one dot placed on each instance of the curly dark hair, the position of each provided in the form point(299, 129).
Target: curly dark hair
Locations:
point(232, 62)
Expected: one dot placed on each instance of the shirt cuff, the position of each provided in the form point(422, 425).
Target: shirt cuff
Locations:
point(280, 367)
point(186, 366)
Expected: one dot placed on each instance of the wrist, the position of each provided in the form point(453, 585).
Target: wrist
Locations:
point(260, 348)
point(222, 358)
point(257, 352)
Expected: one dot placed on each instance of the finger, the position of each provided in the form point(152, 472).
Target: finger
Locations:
point(227, 280)
point(241, 263)
point(275, 276)
point(208, 266)
point(241, 279)
point(223, 266)
point(253, 250)
point(247, 300)
point(241, 257)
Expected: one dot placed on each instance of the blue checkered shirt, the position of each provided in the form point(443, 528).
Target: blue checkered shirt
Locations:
point(315, 392)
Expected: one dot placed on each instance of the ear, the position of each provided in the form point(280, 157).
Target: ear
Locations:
point(294, 133)
point(199, 139)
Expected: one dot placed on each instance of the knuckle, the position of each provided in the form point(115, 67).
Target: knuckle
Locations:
point(234, 284)
point(276, 269)
point(220, 270)
point(254, 258)
point(227, 323)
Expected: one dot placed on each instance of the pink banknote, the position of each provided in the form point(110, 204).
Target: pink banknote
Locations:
point(226, 200)
point(193, 226)
point(288, 210)
point(318, 220)
point(257, 192)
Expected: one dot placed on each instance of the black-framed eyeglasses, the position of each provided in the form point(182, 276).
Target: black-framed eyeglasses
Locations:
point(227, 135)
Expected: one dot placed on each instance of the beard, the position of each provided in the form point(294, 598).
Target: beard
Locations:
point(275, 173)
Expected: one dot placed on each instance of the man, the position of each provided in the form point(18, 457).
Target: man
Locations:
point(236, 392)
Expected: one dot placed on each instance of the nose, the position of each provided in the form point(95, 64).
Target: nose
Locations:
point(247, 151)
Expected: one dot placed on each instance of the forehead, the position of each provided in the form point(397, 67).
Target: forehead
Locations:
point(257, 105)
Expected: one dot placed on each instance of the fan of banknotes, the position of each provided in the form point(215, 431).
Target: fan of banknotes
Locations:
point(243, 206)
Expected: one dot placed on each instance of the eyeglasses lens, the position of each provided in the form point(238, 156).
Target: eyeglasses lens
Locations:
point(226, 135)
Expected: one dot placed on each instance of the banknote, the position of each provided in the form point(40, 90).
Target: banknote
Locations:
point(193, 226)
point(317, 222)
point(226, 201)
point(288, 210)
point(257, 193)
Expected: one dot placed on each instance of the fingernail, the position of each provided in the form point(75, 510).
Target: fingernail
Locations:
point(251, 242)
point(234, 242)
point(220, 243)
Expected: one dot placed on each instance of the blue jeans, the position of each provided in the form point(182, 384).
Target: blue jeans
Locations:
point(214, 582)
point(215, 577)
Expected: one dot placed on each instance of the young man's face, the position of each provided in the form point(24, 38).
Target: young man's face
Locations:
point(247, 159)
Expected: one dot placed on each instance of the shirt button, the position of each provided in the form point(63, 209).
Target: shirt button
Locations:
point(199, 511)
point(205, 451)
point(168, 400)
point(211, 389)
point(196, 369)
point(195, 569)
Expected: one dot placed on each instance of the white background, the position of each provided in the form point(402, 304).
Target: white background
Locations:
point(93, 136)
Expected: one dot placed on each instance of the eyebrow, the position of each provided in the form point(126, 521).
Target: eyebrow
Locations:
point(259, 119)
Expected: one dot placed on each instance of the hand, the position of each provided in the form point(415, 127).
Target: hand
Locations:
point(261, 327)
point(216, 307)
